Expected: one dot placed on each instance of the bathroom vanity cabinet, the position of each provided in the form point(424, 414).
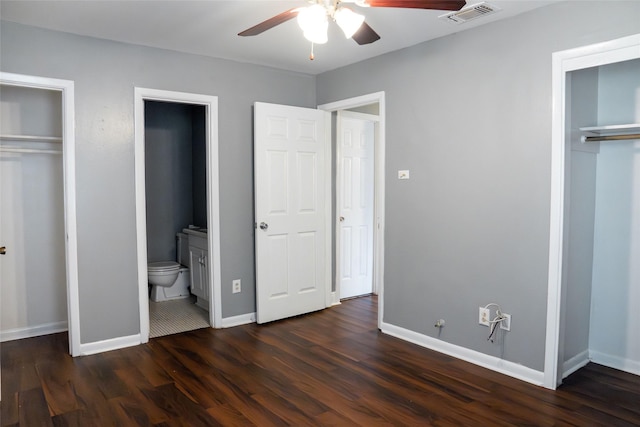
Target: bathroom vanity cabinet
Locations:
point(199, 260)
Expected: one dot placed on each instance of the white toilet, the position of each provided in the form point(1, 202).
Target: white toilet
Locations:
point(170, 279)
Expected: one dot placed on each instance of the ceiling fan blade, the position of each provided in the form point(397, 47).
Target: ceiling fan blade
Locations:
point(419, 4)
point(270, 23)
point(365, 35)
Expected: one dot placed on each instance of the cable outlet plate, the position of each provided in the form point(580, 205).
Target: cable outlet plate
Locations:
point(506, 323)
point(484, 316)
point(237, 286)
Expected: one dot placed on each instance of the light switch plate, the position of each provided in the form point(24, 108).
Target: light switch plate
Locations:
point(404, 174)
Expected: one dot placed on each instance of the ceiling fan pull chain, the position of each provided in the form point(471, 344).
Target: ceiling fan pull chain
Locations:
point(311, 56)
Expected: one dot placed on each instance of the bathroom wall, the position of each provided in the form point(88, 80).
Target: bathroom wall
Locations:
point(168, 174)
point(199, 166)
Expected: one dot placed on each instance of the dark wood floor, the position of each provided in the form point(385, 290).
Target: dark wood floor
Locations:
point(327, 368)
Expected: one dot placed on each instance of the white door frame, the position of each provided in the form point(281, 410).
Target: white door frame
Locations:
point(213, 199)
point(379, 195)
point(563, 62)
point(66, 88)
point(338, 229)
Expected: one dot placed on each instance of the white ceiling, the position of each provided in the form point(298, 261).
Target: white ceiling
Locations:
point(210, 28)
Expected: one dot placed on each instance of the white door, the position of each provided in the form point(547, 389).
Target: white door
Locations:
point(355, 178)
point(290, 211)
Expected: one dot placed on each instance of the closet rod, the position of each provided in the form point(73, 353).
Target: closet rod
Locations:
point(28, 150)
point(610, 137)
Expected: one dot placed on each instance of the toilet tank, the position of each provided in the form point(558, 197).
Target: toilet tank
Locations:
point(182, 249)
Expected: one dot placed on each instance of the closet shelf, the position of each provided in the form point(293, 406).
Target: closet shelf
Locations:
point(611, 132)
point(30, 138)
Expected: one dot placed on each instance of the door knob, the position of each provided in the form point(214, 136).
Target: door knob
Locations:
point(341, 218)
point(264, 226)
point(3, 250)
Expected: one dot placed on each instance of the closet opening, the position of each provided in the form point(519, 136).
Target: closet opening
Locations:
point(594, 276)
point(38, 260)
point(602, 214)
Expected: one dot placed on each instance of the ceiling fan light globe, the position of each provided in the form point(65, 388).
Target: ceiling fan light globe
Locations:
point(314, 23)
point(348, 21)
point(318, 36)
point(311, 17)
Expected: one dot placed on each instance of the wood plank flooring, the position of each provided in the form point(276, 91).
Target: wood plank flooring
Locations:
point(331, 368)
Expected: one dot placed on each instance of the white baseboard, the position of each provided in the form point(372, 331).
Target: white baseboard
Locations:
point(615, 362)
point(33, 331)
point(490, 362)
point(243, 319)
point(110, 344)
point(335, 299)
point(575, 363)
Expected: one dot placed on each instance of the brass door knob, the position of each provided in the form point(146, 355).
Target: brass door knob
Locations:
point(3, 250)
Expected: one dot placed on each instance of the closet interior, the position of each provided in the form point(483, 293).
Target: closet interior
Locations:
point(32, 229)
point(601, 271)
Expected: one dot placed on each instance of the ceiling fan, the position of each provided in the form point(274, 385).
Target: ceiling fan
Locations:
point(314, 19)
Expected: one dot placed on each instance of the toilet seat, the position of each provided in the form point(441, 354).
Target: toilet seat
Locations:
point(163, 266)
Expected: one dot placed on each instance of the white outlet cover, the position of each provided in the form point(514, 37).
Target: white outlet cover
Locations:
point(506, 324)
point(236, 286)
point(403, 174)
point(484, 313)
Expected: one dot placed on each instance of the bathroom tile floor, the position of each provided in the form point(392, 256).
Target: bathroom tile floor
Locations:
point(175, 316)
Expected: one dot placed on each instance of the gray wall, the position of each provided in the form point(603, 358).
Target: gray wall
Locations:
point(105, 74)
point(199, 165)
point(470, 116)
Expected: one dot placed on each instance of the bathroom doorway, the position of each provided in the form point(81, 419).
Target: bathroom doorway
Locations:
point(175, 190)
point(177, 210)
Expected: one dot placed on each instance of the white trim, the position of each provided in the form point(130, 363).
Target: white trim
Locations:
point(622, 49)
point(66, 87)
point(378, 257)
point(615, 362)
point(328, 236)
point(33, 331)
point(213, 199)
point(108, 345)
point(490, 362)
point(242, 319)
point(576, 362)
point(335, 299)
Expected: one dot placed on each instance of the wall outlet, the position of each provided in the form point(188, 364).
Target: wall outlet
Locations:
point(237, 286)
point(506, 323)
point(484, 316)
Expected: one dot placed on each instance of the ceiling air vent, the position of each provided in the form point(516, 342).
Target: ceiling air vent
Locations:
point(470, 12)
